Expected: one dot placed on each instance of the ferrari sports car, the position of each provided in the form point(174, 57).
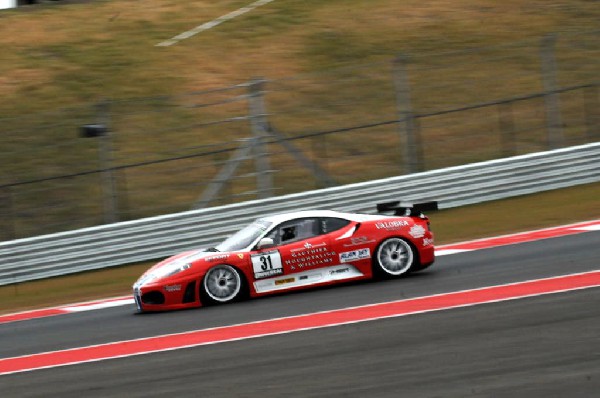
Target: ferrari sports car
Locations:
point(292, 251)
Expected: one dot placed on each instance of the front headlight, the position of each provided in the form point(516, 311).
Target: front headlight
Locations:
point(178, 269)
point(162, 272)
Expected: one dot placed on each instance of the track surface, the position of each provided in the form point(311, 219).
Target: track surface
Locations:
point(542, 346)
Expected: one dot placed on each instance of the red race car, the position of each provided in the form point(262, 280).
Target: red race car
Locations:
point(292, 251)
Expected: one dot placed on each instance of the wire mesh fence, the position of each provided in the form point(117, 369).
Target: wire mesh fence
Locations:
point(268, 137)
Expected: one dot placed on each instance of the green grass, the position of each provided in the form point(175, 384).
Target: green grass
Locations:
point(453, 225)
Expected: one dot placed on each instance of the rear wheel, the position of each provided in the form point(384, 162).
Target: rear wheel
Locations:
point(222, 284)
point(394, 257)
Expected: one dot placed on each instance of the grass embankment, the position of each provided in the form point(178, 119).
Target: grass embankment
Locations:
point(452, 225)
point(74, 55)
point(65, 55)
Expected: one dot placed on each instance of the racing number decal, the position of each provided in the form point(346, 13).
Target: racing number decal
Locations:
point(267, 264)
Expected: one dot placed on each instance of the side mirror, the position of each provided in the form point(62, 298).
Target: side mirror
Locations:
point(265, 243)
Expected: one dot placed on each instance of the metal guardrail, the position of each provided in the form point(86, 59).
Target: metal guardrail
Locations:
point(156, 237)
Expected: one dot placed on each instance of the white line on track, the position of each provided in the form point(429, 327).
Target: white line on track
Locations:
point(595, 227)
point(446, 252)
point(98, 306)
point(211, 24)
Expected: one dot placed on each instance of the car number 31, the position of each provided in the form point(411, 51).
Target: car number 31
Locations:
point(267, 264)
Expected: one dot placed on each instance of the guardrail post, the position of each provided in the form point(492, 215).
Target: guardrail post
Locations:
point(552, 97)
point(259, 126)
point(410, 137)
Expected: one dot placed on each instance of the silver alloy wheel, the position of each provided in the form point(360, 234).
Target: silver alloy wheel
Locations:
point(222, 283)
point(395, 256)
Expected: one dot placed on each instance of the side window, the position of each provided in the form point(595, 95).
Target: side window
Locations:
point(294, 230)
point(274, 234)
point(331, 224)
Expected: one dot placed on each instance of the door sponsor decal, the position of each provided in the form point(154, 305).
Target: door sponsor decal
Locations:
point(266, 264)
point(307, 277)
point(284, 281)
point(310, 256)
point(355, 255)
point(306, 247)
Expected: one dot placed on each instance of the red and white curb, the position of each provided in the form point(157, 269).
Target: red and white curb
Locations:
point(67, 309)
point(345, 316)
point(520, 237)
point(444, 250)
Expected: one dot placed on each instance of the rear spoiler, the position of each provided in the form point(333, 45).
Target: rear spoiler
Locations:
point(407, 208)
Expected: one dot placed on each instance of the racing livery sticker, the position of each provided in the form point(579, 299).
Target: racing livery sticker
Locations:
point(284, 281)
point(417, 231)
point(172, 288)
point(355, 255)
point(359, 240)
point(310, 256)
point(391, 225)
point(266, 264)
point(307, 246)
point(218, 257)
point(338, 271)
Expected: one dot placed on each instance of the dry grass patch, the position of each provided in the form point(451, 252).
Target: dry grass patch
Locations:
point(78, 54)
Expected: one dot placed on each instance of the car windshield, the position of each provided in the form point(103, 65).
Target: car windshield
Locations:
point(243, 238)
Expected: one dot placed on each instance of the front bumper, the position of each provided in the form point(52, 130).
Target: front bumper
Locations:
point(159, 296)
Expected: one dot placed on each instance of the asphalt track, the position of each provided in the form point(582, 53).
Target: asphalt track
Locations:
point(547, 346)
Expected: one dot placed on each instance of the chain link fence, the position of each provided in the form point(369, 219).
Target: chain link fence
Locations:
point(149, 156)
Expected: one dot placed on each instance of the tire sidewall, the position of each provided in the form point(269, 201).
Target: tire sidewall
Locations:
point(208, 299)
point(380, 272)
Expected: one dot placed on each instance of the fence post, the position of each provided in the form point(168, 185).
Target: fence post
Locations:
point(105, 157)
point(555, 137)
point(319, 173)
point(219, 182)
point(410, 137)
point(259, 127)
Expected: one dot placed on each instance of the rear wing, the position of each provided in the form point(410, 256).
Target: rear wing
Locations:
point(407, 208)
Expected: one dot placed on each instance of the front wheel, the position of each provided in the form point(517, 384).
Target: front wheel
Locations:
point(394, 257)
point(222, 284)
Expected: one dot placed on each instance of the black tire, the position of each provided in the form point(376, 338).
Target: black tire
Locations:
point(222, 284)
point(394, 257)
point(421, 267)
